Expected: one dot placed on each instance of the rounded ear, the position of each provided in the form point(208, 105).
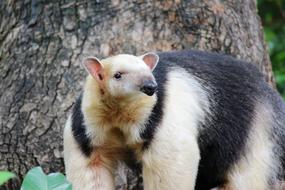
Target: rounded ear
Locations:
point(151, 59)
point(94, 67)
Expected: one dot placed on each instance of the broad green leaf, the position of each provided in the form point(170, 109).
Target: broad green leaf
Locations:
point(36, 179)
point(5, 176)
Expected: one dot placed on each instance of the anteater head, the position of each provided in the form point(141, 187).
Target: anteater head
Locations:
point(124, 75)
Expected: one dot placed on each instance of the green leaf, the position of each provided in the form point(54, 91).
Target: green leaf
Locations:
point(5, 176)
point(37, 180)
point(57, 181)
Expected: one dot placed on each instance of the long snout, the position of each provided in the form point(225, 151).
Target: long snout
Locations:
point(149, 87)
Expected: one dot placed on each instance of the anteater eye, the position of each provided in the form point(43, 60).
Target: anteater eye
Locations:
point(118, 75)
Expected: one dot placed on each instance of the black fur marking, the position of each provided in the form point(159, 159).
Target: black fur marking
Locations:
point(157, 111)
point(79, 129)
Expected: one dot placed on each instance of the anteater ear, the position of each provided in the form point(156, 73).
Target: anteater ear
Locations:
point(94, 67)
point(150, 59)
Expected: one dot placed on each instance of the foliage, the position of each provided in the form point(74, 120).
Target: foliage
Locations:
point(36, 179)
point(272, 13)
point(5, 176)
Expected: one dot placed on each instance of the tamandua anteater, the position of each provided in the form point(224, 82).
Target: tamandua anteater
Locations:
point(195, 120)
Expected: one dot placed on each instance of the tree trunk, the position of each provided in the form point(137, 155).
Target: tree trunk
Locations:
point(42, 44)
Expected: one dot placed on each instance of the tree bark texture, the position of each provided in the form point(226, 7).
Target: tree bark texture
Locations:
point(42, 43)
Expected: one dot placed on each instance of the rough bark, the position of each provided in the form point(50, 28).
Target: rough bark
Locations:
point(42, 43)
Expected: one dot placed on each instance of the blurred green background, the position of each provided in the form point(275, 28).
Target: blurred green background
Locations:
point(272, 13)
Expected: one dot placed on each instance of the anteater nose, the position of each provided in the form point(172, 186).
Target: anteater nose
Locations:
point(149, 87)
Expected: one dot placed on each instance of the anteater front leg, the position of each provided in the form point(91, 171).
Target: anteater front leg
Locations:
point(171, 161)
point(88, 173)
